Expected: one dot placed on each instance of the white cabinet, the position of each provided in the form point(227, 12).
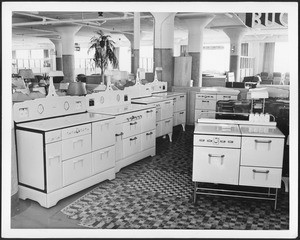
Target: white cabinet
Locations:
point(103, 159)
point(132, 145)
point(103, 134)
point(164, 113)
point(134, 136)
point(262, 152)
point(148, 140)
point(72, 147)
point(260, 177)
point(149, 119)
point(53, 166)
point(55, 161)
point(206, 103)
point(216, 165)
point(246, 155)
point(76, 169)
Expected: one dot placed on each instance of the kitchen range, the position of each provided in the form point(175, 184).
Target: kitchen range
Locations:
point(237, 153)
point(79, 141)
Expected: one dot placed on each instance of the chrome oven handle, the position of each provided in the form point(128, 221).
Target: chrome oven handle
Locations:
point(256, 171)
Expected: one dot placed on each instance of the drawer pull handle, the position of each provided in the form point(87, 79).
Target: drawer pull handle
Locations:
point(150, 133)
point(201, 140)
point(167, 102)
point(181, 113)
point(75, 142)
point(149, 111)
point(174, 99)
point(181, 96)
point(204, 101)
point(167, 121)
point(256, 171)
point(132, 139)
point(52, 158)
point(120, 134)
point(77, 161)
point(262, 141)
point(133, 123)
point(216, 156)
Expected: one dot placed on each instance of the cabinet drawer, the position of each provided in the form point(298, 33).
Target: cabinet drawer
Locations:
point(167, 126)
point(53, 166)
point(180, 103)
point(167, 109)
point(204, 114)
point(226, 97)
point(131, 145)
point(148, 140)
point(216, 141)
point(103, 134)
point(206, 96)
point(76, 131)
point(264, 152)
point(53, 136)
point(148, 119)
point(216, 165)
point(103, 159)
point(158, 129)
point(260, 177)
point(132, 128)
point(73, 147)
point(179, 118)
point(205, 104)
point(76, 169)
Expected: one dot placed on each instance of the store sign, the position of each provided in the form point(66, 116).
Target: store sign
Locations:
point(258, 20)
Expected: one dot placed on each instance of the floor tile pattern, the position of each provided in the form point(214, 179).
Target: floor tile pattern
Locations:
point(156, 193)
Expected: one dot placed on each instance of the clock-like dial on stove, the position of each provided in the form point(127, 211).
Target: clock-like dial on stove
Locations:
point(40, 108)
point(66, 105)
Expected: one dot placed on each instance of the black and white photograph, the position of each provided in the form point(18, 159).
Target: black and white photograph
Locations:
point(149, 119)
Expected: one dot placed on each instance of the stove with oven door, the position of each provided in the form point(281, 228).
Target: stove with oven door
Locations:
point(134, 129)
point(64, 154)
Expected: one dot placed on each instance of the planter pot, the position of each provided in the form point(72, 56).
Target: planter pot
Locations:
point(76, 89)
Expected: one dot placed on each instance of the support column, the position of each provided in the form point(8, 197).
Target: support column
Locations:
point(67, 34)
point(58, 54)
point(196, 27)
point(163, 46)
point(235, 35)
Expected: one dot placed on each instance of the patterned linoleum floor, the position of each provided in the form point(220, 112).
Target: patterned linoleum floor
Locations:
point(156, 193)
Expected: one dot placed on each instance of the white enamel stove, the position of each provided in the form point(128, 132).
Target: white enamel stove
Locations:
point(237, 153)
point(164, 113)
point(61, 149)
point(135, 125)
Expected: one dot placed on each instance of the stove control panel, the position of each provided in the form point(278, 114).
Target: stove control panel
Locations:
point(134, 117)
point(76, 131)
point(217, 141)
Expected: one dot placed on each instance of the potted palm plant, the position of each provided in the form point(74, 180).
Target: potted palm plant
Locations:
point(104, 54)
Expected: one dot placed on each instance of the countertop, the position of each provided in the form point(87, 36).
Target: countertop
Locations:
point(64, 122)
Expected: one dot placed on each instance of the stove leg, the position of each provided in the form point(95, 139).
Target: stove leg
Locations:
point(276, 194)
point(183, 127)
point(170, 136)
point(195, 193)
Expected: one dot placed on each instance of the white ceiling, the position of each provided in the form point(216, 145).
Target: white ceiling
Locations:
point(34, 29)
